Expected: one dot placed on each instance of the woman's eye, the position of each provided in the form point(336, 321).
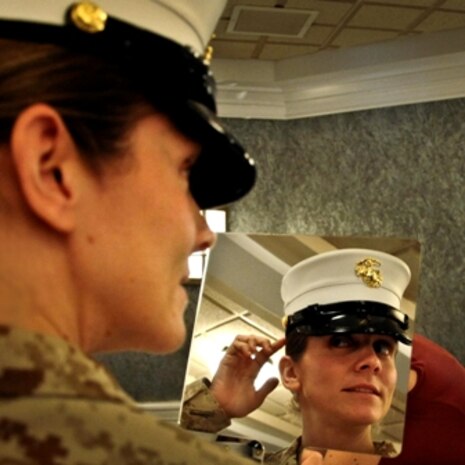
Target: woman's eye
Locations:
point(188, 164)
point(341, 341)
point(384, 347)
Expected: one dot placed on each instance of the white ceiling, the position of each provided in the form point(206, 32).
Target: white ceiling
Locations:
point(356, 54)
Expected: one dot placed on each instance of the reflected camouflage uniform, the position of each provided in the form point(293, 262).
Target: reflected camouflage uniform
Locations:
point(57, 406)
point(201, 412)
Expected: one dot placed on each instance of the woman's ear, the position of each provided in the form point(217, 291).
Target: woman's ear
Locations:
point(47, 163)
point(289, 374)
point(412, 379)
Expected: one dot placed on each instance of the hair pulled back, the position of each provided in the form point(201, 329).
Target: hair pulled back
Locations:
point(97, 103)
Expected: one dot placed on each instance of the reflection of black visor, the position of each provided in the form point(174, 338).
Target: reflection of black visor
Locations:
point(350, 317)
point(177, 83)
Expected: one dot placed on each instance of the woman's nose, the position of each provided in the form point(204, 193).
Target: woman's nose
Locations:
point(368, 360)
point(206, 238)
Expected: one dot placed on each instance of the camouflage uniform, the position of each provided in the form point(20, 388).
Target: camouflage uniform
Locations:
point(201, 412)
point(57, 406)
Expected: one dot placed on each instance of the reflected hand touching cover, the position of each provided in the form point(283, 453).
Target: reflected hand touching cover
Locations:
point(233, 384)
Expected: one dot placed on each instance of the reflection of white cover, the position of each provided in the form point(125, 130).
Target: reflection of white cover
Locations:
point(189, 22)
point(330, 278)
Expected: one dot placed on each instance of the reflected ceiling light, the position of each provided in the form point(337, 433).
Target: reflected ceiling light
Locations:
point(216, 220)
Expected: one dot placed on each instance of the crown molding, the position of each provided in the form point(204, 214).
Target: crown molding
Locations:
point(413, 69)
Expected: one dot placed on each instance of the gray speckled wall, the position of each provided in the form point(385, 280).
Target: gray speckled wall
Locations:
point(394, 172)
point(386, 172)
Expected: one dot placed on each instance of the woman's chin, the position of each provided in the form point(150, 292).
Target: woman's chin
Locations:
point(364, 419)
point(172, 341)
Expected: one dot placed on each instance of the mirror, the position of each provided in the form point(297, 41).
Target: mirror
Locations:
point(240, 294)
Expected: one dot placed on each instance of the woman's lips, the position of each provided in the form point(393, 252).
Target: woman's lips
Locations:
point(363, 389)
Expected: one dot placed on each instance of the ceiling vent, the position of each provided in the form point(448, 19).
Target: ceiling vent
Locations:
point(281, 22)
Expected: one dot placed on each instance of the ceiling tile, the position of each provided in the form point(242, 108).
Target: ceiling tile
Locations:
point(454, 4)
point(210, 315)
point(442, 20)
point(232, 3)
point(394, 431)
point(384, 17)
point(276, 404)
point(275, 22)
point(282, 396)
point(420, 3)
point(221, 33)
point(281, 51)
point(232, 49)
point(316, 35)
point(352, 37)
point(224, 335)
point(268, 327)
point(329, 12)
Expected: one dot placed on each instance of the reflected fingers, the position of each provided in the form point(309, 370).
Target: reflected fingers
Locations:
point(257, 348)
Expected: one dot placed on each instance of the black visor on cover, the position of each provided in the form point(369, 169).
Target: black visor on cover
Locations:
point(352, 317)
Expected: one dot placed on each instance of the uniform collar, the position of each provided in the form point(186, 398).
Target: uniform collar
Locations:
point(288, 456)
point(35, 364)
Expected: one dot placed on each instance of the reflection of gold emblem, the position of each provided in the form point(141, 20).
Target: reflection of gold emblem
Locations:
point(208, 54)
point(284, 320)
point(88, 17)
point(367, 270)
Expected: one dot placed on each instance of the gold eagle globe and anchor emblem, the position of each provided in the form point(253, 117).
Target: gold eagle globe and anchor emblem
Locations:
point(88, 17)
point(369, 272)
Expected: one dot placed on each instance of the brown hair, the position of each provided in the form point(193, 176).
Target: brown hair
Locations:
point(97, 103)
point(296, 344)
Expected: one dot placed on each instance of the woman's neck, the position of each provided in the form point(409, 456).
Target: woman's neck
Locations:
point(330, 435)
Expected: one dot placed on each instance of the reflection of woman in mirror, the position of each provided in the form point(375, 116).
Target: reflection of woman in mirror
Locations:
point(342, 384)
point(342, 333)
